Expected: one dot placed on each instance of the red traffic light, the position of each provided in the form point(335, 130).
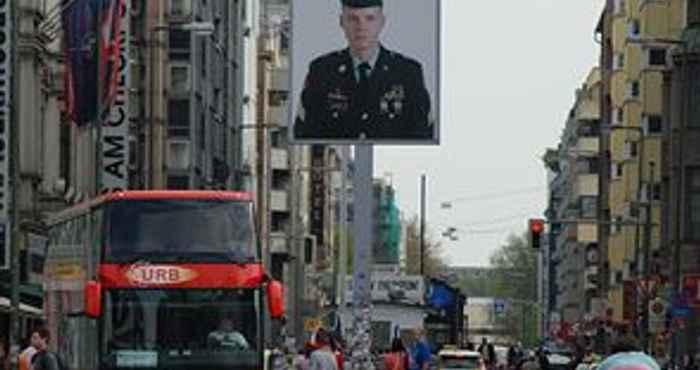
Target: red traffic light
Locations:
point(537, 226)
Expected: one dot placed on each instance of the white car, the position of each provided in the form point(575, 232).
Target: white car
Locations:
point(458, 359)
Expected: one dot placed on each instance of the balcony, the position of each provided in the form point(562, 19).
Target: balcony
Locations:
point(587, 233)
point(278, 243)
point(278, 201)
point(278, 115)
point(587, 147)
point(586, 186)
point(279, 159)
point(280, 79)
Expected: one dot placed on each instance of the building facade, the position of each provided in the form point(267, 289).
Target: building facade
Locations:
point(33, 163)
point(679, 258)
point(635, 37)
point(575, 197)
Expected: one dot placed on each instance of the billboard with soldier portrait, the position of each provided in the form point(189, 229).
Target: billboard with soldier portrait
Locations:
point(365, 71)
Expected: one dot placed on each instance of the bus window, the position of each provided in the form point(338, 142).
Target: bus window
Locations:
point(180, 231)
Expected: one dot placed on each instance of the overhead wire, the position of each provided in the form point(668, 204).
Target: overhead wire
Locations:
point(498, 195)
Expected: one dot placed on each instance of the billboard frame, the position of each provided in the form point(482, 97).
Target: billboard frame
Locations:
point(435, 96)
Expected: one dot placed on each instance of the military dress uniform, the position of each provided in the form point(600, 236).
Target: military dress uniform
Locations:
point(342, 100)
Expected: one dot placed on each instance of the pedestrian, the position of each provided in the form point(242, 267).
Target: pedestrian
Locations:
point(323, 357)
point(338, 352)
point(44, 359)
point(420, 351)
point(4, 354)
point(25, 357)
point(484, 351)
point(689, 363)
point(301, 360)
point(397, 358)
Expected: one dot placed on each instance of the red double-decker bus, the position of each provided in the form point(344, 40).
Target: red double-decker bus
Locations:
point(159, 280)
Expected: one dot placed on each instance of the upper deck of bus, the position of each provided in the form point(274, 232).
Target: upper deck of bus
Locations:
point(85, 206)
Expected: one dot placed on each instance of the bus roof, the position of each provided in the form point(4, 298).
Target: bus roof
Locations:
point(177, 195)
point(149, 195)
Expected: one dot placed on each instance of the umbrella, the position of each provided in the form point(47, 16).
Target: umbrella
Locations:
point(629, 361)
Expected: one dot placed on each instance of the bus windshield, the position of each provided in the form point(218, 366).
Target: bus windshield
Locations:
point(180, 328)
point(200, 231)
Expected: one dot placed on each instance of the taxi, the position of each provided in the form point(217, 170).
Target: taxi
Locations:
point(453, 358)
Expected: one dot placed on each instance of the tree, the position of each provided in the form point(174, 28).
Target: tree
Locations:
point(432, 258)
point(515, 265)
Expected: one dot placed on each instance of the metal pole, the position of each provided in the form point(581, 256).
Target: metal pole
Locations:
point(13, 224)
point(680, 135)
point(298, 249)
point(363, 232)
point(422, 224)
point(343, 247)
point(647, 262)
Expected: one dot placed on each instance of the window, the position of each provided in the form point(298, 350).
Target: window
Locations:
point(277, 97)
point(619, 115)
point(180, 8)
point(619, 7)
point(634, 89)
point(634, 28)
point(657, 57)
point(203, 57)
point(589, 207)
point(694, 99)
point(693, 11)
point(179, 79)
point(619, 61)
point(656, 192)
point(178, 182)
point(653, 124)
point(179, 39)
point(179, 118)
point(202, 131)
point(693, 193)
point(616, 171)
point(631, 150)
point(309, 250)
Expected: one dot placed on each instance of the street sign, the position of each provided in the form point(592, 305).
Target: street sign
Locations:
point(499, 306)
point(680, 312)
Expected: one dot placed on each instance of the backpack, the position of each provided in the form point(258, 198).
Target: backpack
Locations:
point(42, 356)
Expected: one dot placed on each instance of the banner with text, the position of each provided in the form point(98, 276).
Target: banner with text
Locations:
point(115, 126)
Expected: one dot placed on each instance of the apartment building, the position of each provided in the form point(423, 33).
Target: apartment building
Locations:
point(574, 186)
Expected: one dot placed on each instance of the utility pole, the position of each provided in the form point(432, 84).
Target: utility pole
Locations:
point(343, 248)
point(297, 248)
point(422, 224)
point(678, 190)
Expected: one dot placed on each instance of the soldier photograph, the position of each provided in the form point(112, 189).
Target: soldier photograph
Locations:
point(365, 91)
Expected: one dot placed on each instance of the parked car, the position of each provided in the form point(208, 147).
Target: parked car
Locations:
point(458, 359)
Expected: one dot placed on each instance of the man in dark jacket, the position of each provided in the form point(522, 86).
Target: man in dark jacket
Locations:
point(44, 359)
point(364, 91)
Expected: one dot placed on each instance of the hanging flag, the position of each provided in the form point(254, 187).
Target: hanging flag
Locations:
point(111, 18)
point(79, 21)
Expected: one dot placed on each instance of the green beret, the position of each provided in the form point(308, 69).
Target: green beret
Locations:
point(362, 3)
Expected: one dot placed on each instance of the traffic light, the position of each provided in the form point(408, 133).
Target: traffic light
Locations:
point(535, 230)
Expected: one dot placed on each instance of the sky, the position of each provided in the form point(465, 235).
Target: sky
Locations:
point(509, 73)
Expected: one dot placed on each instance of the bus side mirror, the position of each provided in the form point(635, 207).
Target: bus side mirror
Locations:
point(275, 297)
point(93, 299)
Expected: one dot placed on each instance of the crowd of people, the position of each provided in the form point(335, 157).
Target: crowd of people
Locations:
point(326, 351)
